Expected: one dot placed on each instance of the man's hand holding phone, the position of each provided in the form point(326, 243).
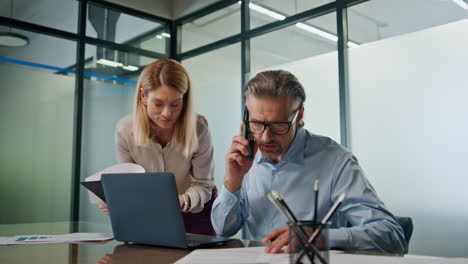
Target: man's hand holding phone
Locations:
point(237, 161)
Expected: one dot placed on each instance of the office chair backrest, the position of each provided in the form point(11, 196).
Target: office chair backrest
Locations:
point(407, 225)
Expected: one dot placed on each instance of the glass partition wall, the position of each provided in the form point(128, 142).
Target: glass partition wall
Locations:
point(363, 63)
point(36, 135)
point(61, 94)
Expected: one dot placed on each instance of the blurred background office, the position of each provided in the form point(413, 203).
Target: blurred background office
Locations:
point(385, 78)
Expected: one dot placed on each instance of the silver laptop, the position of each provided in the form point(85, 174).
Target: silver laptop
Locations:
point(144, 209)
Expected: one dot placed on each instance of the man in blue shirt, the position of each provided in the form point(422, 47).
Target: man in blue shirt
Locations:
point(290, 160)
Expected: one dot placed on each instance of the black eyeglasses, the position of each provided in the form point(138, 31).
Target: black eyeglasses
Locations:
point(277, 128)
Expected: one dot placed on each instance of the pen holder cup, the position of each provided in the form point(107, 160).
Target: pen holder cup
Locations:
point(297, 249)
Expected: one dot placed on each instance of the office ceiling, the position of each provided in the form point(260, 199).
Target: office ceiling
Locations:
point(170, 9)
point(369, 21)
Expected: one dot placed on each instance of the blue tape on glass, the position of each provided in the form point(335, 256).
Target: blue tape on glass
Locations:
point(48, 67)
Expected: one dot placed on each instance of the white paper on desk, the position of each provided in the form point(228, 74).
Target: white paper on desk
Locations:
point(254, 255)
point(118, 168)
point(4, 240)
point(338, 258)
point(49, 239)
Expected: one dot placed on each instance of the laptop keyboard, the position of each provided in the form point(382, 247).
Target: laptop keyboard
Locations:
point(195, 240)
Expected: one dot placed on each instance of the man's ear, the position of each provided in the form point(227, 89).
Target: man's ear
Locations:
point(300, 115)
point(142, 96)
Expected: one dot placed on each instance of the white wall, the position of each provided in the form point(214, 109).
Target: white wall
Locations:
point(409, 127)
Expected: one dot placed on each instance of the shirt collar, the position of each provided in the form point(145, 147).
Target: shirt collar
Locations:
point(295, 152)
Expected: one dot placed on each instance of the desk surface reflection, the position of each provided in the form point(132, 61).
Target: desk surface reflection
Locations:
point(84, 253)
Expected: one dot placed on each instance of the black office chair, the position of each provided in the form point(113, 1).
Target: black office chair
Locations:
point(407, 225)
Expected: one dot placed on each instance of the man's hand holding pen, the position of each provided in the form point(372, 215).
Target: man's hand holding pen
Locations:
point(237, 163)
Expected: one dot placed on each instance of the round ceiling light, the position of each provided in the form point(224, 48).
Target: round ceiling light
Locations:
point(9, 39)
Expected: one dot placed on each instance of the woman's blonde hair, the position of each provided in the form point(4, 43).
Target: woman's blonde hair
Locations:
point(169, 73)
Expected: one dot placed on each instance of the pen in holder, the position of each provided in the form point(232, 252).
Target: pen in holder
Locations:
point(307, 241)
point(320, 244)
point(316, 233)
point(301, 236)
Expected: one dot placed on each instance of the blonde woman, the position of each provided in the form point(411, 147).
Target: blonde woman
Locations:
point(163, 134)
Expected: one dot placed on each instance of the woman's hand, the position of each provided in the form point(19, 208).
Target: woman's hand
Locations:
point(106, 259)
point(184, 202)
point(181, 202)
point(103, 207)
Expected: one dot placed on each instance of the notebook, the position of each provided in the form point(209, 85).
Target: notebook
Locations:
point(96, 188)
point(96, 193)
point(144, 209)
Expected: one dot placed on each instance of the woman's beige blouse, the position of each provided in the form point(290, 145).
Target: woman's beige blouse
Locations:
point(193, 174)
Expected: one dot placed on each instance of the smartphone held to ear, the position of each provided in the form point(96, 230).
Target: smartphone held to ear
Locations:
point(246, 134)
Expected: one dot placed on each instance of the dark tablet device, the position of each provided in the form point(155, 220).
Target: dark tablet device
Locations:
point(96, 188)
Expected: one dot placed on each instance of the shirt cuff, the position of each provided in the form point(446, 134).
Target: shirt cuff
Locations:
point(195, 205)
point(338, 238)
point(228, 199)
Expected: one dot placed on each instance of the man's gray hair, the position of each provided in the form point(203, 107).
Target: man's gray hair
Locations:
point(276, 83)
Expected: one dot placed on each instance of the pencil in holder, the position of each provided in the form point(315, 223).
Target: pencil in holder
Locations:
point(319, 248)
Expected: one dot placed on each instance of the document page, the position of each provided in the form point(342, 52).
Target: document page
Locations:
point(375, 259)
point(254, 255)
point(44, 239)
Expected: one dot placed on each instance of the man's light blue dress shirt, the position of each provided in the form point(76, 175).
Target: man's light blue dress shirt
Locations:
point(361, 223)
